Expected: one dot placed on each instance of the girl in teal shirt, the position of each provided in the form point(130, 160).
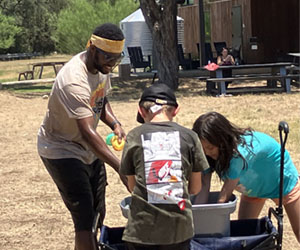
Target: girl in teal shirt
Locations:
point(249, 162)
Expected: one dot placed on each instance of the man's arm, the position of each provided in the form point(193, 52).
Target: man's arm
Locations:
point(96, 143)
point(98, 146)
point(108, 117)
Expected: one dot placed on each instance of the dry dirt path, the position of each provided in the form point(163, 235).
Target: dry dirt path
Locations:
point(32, 213)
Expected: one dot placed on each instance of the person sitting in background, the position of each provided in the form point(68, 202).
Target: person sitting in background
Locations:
point(226, 59)
point(249, 162)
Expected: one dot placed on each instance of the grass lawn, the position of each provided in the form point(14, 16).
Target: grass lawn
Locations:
point(9, 70)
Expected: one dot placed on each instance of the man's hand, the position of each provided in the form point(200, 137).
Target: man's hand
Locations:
point(118, 130)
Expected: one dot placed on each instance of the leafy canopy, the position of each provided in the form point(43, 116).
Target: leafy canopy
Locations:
point(8, 31)
point(76, 23)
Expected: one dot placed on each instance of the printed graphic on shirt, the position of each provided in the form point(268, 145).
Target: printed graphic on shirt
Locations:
point(97, 100)
point(163, 168)
point(242, 189)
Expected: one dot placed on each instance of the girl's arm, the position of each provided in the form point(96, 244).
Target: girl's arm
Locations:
point(227, 189)
point(219, 60)
point(232, 60)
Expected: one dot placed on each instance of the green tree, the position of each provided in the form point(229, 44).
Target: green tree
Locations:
point(160, 17)
point(37, 18)
point(76, 23)
point(8, 31)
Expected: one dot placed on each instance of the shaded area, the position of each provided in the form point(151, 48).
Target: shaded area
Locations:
point(132, 89)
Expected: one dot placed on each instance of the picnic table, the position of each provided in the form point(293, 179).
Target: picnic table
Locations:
point(294, 54)
point(55, 65)
point(277, 72)
point(295, 68)
point(40, 68)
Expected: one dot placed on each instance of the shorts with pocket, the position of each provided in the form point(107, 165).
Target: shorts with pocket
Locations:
point(82, 188)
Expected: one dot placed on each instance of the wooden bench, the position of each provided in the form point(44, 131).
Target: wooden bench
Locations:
point(28, 75)
point(202, 78)
point(271, 85)
point(5, 85)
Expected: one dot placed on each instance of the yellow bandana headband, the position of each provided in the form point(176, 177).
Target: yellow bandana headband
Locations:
point(107, 45)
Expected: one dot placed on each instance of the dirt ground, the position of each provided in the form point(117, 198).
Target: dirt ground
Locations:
point(33, 215)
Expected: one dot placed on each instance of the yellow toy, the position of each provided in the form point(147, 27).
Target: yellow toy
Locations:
point(112, 140)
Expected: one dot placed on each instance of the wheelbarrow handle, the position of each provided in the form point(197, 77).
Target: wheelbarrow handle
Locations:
point(283, 126)
point(278, 213)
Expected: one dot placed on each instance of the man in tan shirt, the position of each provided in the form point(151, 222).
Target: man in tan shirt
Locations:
point(68, 143)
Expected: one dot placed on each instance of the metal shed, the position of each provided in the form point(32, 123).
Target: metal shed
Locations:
point(137, 33)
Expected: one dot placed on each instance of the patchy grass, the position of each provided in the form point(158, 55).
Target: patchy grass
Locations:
point(10, 69)
point(43, 89)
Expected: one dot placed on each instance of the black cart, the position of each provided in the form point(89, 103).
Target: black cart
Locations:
point(247, 234)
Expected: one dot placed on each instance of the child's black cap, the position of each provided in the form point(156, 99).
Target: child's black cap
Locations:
point(159, 93)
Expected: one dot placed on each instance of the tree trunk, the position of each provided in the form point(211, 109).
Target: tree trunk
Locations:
point(161, 20)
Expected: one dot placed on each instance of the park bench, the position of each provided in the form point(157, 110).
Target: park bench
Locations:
point(271, 83)
point(26, 74)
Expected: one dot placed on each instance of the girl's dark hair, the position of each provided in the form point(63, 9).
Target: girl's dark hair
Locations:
point(220, 132)
point(109, 31)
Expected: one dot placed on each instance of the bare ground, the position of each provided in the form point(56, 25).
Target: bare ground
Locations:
point(32, 213)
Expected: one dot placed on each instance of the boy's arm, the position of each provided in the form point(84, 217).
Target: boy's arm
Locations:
point(127, 167)
point(195, 183)
point(200, 164)
point(202, 197)
point(227, 189)
point(131, 182)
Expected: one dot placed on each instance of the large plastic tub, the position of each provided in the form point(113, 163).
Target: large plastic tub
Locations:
point(211, 219)
point(125, 203)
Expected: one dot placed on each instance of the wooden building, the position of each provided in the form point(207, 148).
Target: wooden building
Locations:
point(265, 30)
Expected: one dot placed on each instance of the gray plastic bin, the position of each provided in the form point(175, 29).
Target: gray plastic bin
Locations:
point(125, 206)
point(211, 219)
